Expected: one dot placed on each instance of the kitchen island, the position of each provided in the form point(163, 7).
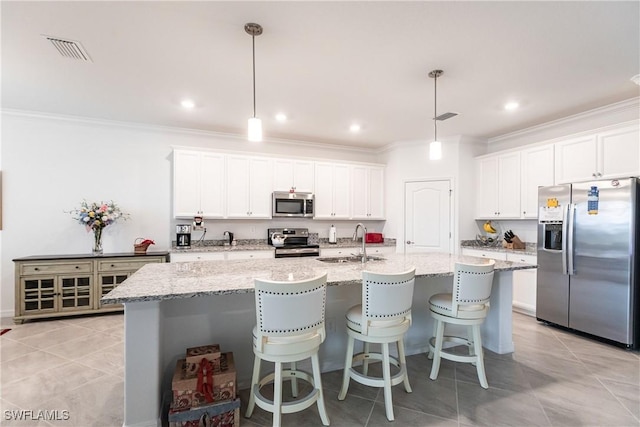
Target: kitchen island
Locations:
point(170, 307)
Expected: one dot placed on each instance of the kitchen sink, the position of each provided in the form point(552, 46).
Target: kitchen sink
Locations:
point(348, 259)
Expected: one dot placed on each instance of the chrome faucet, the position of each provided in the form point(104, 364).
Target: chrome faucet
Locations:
point(363, 252)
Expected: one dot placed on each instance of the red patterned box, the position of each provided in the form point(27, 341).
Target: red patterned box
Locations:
point(224, 414)
point(207, 385)
point(195, 355)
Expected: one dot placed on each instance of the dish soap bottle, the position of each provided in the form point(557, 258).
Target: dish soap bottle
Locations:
point(332, 235)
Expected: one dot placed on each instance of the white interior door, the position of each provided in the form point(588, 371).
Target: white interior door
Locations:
point(427, 216)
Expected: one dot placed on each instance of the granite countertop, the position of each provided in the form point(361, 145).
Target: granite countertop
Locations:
point(157, 282)
point(530, 249)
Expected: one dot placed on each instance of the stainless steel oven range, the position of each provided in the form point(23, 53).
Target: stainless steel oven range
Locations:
point(291, 242)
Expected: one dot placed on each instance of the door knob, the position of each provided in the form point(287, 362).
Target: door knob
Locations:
point(409, 242)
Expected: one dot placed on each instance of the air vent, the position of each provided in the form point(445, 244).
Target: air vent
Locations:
point(445, 116)
point(69, 48)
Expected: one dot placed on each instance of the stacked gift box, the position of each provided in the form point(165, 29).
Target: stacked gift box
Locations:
point(204, 389)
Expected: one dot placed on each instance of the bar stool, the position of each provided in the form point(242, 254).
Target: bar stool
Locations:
point(383, 318)
point(290, 328)
point(467, 305)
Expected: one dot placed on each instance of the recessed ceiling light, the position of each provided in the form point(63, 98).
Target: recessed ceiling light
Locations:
point(354, 128)
point(510, 106)
point(636, 79)
point(281, 117)
point(188, 104)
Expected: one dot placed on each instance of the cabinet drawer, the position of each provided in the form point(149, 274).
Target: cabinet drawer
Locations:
point(250, 255)
point(527, 259)
point(55, 268)
point(499, 256)
point(197, 256)
point(123, 265)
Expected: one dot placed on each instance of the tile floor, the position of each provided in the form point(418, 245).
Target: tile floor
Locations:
point(553, 379)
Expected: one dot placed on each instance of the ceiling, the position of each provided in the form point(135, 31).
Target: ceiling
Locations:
point(325, 64)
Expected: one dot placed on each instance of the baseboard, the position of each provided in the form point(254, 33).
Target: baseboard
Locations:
point(525, 309)
point(7, 313)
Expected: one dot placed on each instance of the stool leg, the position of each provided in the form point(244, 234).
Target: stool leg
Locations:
point(386, 377)
point(254, 383)
point(317, 379)
point(435, 326)
point(294, 381)
point(365, 362)
point(477, 340)
point(403, 364)
point(277, 395)
point(435, 366)
point(347, 367)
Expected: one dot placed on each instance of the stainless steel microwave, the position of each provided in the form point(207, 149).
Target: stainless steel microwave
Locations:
point(286, 204)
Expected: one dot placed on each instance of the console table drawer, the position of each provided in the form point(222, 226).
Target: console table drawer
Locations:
point(132, 265)
point(29, 269)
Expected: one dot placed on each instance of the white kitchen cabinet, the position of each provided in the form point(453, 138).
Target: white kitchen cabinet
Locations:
point(347, 251)
point(332, 191)
point(537, 169)
point(482, 253)
point(367, 192)
point(198, 184)
point(249, 187)
point(196, 256)
point(524, 284)
point(608, 154)
point(498, 186)
point(293, 174)
point(250, 254)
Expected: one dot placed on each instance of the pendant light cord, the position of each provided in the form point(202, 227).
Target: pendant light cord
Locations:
point(435, 107)
point(253, 45)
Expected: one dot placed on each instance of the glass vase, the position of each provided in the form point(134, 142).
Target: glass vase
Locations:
point(97, 241)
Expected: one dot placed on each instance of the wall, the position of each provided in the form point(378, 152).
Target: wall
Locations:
point(51, 163)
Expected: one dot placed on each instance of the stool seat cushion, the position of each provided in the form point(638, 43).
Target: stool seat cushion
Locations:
point(288, 344)
point(443, 304)
point(354, 320)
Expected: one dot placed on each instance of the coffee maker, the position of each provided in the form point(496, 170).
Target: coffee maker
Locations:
point(183, 236)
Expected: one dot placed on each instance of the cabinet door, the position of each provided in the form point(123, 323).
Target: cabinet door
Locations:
point(537, 170)
point(360, 192)
point(260, 188)
point(575, 160)
point(487, 187)
point(38, 295)
point(376, 193)
point(323, 191)
point(341, 192)
point(290, 173)
point(238, 178)
point(186, 184)
point(509, 185)
point(212, 185)
point(524, 285)
point(619, 153)
point(75, 293)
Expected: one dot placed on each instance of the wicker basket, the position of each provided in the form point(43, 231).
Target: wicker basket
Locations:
point(140, 246)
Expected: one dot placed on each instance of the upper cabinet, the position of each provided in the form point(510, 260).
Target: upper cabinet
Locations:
point(367, 192)
point(537, 168)
point(609, 154)
point(332, 191)
point(498, 186)
point(198, 184)
point(249, 187)
point(293, 174)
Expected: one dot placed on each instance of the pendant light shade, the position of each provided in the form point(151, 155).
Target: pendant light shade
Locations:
point(255, 129)
point(435, 148)
point(255, 124)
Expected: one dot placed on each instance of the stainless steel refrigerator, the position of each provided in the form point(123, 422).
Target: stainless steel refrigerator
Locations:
point(587, 258)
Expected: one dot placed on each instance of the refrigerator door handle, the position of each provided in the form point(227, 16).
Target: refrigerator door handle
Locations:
point(565, 226)
point(571, 216)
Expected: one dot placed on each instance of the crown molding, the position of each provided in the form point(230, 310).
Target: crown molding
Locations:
point(183, 131)
point(615, 108)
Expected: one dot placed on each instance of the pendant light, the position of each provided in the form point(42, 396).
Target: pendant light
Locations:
point(255, 124)
point(435, 148)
